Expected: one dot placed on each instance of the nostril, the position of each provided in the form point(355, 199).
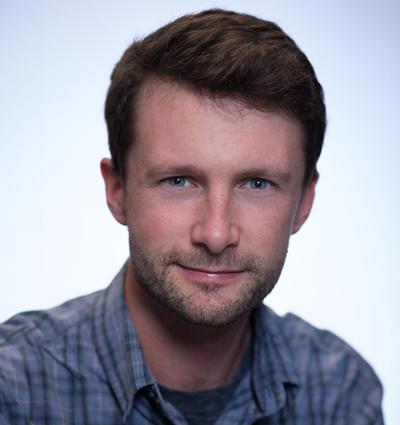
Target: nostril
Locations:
point(215, 238)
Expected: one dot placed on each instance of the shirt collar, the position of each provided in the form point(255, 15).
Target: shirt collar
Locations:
point(274, 376)
point(118, 345)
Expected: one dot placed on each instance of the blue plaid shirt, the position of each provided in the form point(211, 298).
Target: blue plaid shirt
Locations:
point(81, 363)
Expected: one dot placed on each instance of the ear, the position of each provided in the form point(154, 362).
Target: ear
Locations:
point(115, 191)
point(306, 202)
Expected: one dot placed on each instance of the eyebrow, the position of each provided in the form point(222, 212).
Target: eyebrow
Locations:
point(193, 170)
point(174, 170)
point(281, 176)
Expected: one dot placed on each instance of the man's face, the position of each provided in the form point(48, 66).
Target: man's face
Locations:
point(213, 193)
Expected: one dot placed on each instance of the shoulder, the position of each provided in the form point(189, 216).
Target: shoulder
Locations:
point(327, 367)
point(323, 348)
point(37, 344)
point(44, 327)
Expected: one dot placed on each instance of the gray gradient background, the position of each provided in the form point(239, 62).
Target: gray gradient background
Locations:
point(58, 239)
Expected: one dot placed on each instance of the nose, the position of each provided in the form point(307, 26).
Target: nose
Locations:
point(214, 227)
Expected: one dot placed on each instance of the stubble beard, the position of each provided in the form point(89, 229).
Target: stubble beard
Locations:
point(152, 273)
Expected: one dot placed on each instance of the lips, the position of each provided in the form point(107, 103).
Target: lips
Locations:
point(211, 275)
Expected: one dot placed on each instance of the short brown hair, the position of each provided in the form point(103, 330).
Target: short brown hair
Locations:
point(223, 54)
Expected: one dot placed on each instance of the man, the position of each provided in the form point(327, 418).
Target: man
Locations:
point(216, 122)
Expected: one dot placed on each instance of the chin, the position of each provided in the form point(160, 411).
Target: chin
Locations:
point(208, 311)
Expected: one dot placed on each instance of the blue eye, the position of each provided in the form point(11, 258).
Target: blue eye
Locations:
point(258, 184)
point(177, 181)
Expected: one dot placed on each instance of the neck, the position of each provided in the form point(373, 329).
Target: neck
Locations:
point(181, 355)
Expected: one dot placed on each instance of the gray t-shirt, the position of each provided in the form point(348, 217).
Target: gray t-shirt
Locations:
point(205, 407)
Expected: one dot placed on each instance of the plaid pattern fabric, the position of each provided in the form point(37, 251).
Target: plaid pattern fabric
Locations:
point(81, 363)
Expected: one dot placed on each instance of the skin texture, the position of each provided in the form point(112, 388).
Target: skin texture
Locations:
point(213, 192)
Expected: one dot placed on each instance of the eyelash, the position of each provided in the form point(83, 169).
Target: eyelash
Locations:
point(265, 183)
point(177, 179)
point(174, 178)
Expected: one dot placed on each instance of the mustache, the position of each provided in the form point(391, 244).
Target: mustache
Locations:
point(204, 259)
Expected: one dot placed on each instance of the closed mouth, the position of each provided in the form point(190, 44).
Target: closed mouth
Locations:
point(209, 276)
point(210, 271)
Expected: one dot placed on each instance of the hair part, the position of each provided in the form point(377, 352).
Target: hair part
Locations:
point(220, 54)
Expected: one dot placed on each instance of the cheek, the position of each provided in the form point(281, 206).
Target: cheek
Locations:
point(154, 223)
point(268, 231)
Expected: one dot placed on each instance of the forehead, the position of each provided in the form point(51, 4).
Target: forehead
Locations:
point(173, 123)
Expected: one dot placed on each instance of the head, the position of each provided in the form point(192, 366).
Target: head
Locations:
point(215, 126)
point(221, 54)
